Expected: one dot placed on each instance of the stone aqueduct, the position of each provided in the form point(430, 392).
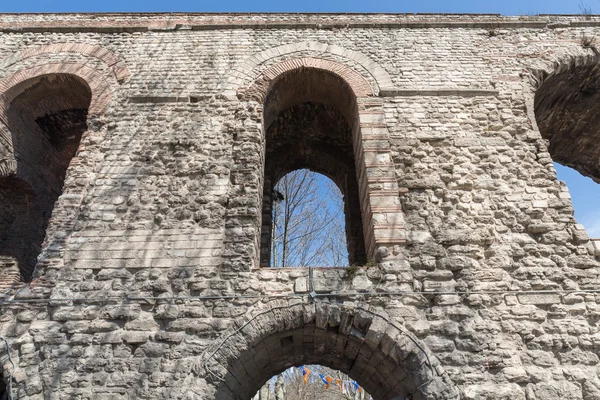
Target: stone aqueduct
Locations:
point(137, 155)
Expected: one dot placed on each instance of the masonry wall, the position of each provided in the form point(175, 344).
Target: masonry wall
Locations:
point(151, 252)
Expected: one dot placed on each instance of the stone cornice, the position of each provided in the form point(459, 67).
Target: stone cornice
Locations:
point(140, 22)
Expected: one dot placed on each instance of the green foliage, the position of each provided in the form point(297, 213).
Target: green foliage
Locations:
point(371, 263)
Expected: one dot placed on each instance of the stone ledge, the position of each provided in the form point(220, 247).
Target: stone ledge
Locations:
point(125, 26)
point(466, 92)
point(162, 99)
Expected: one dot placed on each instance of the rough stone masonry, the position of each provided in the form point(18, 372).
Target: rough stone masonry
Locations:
point(137, 158)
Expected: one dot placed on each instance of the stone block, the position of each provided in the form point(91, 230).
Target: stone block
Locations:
point(539, 298)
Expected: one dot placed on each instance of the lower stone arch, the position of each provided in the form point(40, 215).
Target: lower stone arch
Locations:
point(354, 338)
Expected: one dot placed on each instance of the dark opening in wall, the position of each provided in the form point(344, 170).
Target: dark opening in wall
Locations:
point(46, 119)
point(21, 229)
point(310, 121)
point(3, 387)
point(568, 116)
point(566, 111)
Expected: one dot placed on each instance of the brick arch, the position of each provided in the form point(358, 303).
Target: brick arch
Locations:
point(8, 167)
point(244, 72)
point(111, 59)
point(381, 211)
point(11, 86)
point(540, 73)
point(260, 86)
point(357, 339)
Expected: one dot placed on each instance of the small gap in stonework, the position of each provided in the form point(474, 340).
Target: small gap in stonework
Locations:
point(3, 387)
point(354, 331)
point(162, 99)
point(287, 341)
point(333, 329)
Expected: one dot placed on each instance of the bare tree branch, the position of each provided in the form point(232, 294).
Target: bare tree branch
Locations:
point(308, 223)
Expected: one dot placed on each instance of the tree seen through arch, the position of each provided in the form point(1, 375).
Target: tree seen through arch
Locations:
point(308, 227)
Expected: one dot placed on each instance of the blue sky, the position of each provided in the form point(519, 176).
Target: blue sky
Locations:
point(585, 193)
point(507, 7)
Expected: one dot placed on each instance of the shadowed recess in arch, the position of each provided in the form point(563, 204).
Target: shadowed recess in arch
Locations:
point(567, 112)
point(311, 122)
point(46, 118)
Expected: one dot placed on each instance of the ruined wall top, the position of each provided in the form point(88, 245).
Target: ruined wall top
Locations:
point(197, 21)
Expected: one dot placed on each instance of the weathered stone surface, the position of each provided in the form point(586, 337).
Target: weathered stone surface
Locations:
point(136, 158)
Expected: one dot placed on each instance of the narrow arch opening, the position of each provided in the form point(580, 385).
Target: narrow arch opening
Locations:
point(308, 227)
point(310, 382)
point(46, 119)
point(311, 122)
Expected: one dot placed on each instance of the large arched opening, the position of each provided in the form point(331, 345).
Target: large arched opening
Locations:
point(311, 121)
point(46, 116)
point(357, 340)
point(566, 112)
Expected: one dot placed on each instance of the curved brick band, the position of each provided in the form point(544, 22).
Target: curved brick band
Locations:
point(244, 72)
point(8, 167)
point(259, 88)
point(99, 87)
point(112, 60)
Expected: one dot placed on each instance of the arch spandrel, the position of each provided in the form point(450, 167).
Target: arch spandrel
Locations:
point(112, 60)
point(356, 339)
